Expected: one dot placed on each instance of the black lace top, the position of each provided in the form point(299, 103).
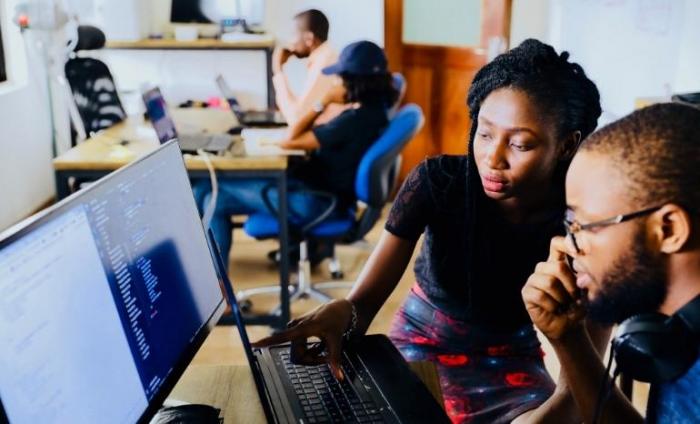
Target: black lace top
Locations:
point(432, 201)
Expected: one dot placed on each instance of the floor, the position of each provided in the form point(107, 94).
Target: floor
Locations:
point(249, 267)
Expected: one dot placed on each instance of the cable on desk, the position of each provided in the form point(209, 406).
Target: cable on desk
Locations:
point(208, 213)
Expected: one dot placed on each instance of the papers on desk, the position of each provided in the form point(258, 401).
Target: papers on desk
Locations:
point(257, 142)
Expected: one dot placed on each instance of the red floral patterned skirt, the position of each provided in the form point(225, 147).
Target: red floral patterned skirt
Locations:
point(486, 376)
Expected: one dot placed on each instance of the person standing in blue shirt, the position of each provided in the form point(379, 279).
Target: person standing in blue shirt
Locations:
point(632, 254)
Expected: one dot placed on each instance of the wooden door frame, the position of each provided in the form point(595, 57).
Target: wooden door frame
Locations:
point(495, 16)
point(406, 57)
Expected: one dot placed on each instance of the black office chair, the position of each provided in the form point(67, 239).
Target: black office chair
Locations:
point(92, 85)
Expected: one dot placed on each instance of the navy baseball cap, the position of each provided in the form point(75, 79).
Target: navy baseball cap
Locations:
point(359, 58)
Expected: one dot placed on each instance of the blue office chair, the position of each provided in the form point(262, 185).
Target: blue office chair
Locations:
point(374, 183)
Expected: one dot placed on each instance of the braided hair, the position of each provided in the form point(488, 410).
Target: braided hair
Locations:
point(559, 88)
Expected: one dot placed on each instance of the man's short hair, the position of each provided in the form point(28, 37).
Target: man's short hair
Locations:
point(316, 22)
point(658, 150)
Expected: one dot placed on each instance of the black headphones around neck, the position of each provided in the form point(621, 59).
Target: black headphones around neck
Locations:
point(656, 348)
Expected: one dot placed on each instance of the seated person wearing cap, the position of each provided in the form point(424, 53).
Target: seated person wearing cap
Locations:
point(632, 256)
point(335, 148)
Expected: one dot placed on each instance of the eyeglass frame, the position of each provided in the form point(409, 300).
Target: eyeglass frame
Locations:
point(617, 219)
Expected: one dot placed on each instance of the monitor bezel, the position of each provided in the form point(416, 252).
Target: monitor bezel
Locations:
point(20, 229)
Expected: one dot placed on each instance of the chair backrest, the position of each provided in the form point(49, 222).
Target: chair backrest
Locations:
point(400, 85)
point(92, 85)
point(376, 174)
point(372, 183)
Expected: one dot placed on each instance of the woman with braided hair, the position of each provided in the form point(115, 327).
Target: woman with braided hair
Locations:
point(487, 218)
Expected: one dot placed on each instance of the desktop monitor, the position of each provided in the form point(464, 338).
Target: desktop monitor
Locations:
point(214, 11)
point(105, 298)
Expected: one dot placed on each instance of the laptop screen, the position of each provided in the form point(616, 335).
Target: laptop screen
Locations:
point(238, 317)
point(232, 301)
point(227, 93)
point(157, 111)
point(105, 298)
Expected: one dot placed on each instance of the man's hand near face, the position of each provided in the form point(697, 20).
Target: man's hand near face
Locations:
point(554, 304)
point(551, 297)
point(280, 56)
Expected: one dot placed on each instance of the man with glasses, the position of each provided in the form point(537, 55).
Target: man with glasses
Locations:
point(632, 247)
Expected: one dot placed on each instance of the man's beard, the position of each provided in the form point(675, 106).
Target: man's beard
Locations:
point(635, 284)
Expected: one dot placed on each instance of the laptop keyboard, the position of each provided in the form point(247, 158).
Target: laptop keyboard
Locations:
point(324, 399)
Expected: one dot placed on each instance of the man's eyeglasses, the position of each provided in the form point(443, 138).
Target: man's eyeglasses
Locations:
point(572, 226)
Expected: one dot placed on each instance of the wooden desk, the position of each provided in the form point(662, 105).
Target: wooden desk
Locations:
point(266, 44)
point(231, 388)
point(104, 153)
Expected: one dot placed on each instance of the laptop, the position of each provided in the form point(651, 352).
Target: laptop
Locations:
point(157, 111)
point(249, 118)
point(379, 386)
point(104, 302)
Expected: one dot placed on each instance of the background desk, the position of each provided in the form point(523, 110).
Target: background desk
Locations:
point(265, 44)
point(231, 388)
point(104, 153)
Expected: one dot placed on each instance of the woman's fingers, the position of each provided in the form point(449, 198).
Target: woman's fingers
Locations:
point(315, 354)
point(297, 332)
point(334, 348)
point(297, 351)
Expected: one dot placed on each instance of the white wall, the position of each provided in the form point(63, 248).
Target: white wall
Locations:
point(26, 177)
point(688, 67)
point(529, 19)
point(631, 49)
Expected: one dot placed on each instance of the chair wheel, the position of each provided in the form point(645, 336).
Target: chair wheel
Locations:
point(245, 306)
point(274, 256)
point(337, 275)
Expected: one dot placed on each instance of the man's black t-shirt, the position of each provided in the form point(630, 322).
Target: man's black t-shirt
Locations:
point(344, 141)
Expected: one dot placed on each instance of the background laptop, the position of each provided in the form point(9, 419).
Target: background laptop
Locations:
point(104, 303)
point(157, 111)
point(249, 118)
point(379, 387)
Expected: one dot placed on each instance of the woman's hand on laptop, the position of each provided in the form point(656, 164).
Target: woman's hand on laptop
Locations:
point(328, 322)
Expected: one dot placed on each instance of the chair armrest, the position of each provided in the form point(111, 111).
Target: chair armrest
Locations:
point(319, 219)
